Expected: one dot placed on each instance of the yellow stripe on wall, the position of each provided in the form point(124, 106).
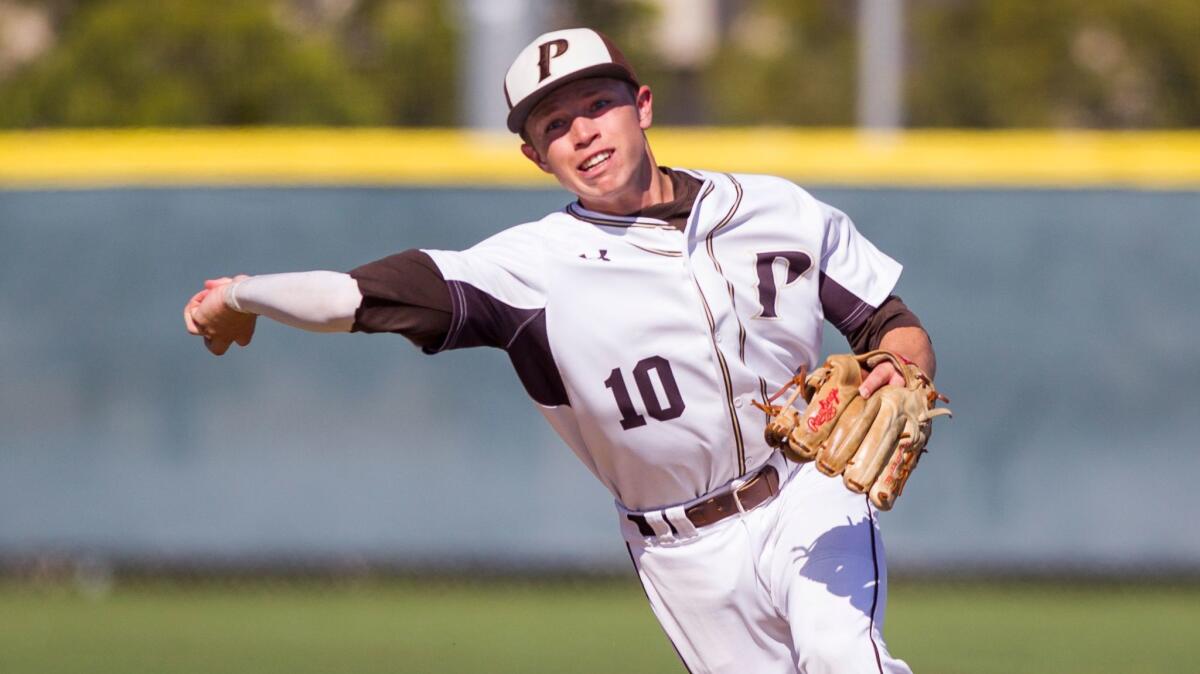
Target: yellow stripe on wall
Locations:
point(446, 156)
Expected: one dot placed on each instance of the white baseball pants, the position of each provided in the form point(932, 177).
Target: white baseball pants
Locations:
point(795, 585)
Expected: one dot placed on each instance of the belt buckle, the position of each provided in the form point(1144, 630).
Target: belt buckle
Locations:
point(737, 486)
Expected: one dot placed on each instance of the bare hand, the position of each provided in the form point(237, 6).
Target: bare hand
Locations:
point(206, 314)
point(881, 375)
point(912, 345)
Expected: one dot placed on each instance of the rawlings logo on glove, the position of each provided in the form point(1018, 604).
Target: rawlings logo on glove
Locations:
point(827, 412)
point(873, 443)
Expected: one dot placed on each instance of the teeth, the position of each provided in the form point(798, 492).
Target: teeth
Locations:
point(603, 156)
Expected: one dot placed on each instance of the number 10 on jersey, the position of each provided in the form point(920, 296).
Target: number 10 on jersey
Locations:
point(630, 418)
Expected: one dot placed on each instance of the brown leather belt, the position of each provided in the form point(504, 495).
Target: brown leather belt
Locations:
point(752, 494)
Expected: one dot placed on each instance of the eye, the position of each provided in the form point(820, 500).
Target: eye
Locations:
point(599, 104)
point(555, 124)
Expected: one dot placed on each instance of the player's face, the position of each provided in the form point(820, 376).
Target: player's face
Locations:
point(589, 135)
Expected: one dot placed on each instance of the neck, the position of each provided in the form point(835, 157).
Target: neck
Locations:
point(649, 187)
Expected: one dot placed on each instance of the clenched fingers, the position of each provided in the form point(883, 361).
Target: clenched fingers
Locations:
point(884, 374)
point(188, 308)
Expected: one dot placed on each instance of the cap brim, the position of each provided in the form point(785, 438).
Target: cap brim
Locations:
point(519, 113)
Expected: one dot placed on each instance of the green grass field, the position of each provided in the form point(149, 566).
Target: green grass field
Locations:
point(601, 627)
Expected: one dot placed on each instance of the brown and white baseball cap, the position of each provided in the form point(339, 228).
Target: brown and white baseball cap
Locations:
point(554, 59)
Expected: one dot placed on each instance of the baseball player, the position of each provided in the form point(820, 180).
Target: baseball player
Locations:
point(643, 319)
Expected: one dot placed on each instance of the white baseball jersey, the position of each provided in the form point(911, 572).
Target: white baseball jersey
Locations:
point(644, 346)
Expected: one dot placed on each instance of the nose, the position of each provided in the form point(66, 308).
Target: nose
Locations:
point(583, 131)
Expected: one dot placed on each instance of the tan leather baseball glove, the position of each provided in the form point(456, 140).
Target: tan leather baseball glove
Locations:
point(873, 443)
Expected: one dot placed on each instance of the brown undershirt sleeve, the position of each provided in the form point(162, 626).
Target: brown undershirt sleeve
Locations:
point(891, 314)
point(405, 294)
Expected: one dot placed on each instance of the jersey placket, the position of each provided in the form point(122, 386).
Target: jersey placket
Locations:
point(722, 334)
point(744, 377)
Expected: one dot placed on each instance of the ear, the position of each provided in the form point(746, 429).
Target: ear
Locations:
point(644, 100)
point(532, 155)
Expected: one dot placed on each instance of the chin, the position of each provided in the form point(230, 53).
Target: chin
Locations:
point(607, 186)
point(600, 195)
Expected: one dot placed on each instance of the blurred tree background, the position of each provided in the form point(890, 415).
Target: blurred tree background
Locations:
point(968, 63)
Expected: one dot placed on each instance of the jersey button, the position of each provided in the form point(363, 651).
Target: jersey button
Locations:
point(738, 402)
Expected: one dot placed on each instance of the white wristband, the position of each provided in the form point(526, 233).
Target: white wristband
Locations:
point(231, 297)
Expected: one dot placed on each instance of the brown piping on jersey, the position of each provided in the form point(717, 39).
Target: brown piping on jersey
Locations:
point(656, 251)
point(572, 211)
point(707, 191)
point(737, 426)
point(708, 242)
point(741, 337)
point(762, 387)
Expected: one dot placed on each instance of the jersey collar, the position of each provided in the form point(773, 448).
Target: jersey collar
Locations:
point(576, 210)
